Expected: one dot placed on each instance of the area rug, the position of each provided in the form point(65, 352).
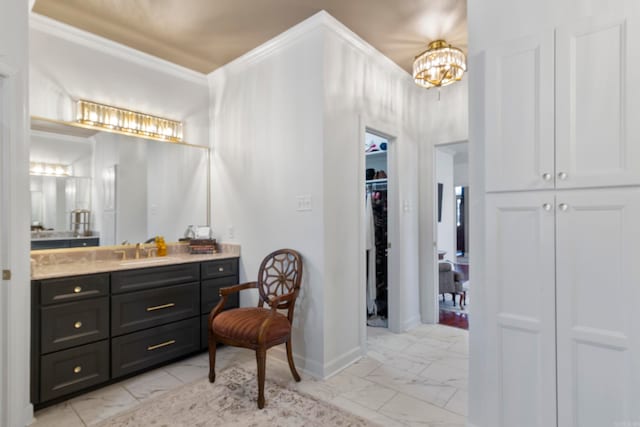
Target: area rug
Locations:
point(447, 304)
point(231, 401)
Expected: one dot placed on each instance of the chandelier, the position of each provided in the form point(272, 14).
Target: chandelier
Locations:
point(439, 65)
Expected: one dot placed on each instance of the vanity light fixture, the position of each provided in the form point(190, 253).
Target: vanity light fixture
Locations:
point(440, 65)
point(49, 169)
point(118, 119)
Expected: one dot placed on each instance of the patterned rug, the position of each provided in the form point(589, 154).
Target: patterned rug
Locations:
point(231, 401)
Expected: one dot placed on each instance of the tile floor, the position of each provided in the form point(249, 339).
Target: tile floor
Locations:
point(418, 378)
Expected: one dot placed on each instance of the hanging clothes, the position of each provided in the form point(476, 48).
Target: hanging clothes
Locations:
point(370, 246)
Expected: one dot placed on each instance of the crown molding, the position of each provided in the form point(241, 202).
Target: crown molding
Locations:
point(323, 20)
point(55, 28)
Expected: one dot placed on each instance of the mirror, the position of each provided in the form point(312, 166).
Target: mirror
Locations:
point(132, 188)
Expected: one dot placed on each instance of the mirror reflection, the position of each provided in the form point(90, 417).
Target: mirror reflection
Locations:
point(90, 187)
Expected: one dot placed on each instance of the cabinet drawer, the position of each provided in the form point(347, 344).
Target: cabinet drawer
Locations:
point(210, 293)
point(75, 323)
point(141, 350)
point(144, 278)
point(71, 370)
point(145, 309)
point(220, 268)
point(81, 243)
point(68, 289)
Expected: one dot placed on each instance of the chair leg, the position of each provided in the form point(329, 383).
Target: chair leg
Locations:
point(261, 358)
point(212, 358)
point(292, 366)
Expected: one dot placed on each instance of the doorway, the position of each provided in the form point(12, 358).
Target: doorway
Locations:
point(452, 231)
point(376, 228)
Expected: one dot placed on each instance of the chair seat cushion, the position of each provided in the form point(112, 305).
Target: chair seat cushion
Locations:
point(243, 324)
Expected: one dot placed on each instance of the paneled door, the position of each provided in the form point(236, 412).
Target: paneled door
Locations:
point(598, 103)
point(598, 295)
point(520, 280)
point(519, 145)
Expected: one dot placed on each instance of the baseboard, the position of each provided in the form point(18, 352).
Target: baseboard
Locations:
point(411, 323)
point(303, 365)
point(28, 415)
point(342, 362)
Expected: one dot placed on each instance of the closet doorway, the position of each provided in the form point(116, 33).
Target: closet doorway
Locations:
point(377, 245)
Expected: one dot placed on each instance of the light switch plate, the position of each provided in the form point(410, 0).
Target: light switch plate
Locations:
point(303, 203)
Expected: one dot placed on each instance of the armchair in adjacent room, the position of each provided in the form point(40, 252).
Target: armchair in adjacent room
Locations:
point(449, 281)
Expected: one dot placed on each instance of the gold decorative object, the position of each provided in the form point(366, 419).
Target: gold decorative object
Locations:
point(112, 118)
point(439, 65)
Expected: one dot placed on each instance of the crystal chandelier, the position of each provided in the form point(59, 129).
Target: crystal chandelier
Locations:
point(439, 65)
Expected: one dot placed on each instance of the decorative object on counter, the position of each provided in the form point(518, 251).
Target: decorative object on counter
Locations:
point(203, 232)
point(81, 222)
point(259, 328)
point(115, 119)
point(202, 246)
point(161, 245)
point(190, 232)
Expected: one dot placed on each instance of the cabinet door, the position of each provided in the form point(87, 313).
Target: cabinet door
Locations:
point(598, 295)
point(598, 104)
point(519, 115)
point(521, 302)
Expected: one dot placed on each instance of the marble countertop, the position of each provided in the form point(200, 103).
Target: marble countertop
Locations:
point(49, 264)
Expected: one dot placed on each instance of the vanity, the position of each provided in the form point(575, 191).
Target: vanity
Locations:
point(98, 318)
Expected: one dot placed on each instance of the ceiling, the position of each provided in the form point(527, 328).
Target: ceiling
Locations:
point(206, 34)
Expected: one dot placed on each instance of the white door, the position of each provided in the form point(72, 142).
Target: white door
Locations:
point(4, 175)
point(598, 295)
point(519, 148)
point(520, 284)
point(598, 103)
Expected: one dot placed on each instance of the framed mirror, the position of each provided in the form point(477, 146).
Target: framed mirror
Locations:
point(130, 189)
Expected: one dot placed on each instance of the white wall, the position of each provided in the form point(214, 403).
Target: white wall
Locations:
point(15, 325)
point(287, 121)
point(364, 89)
point(447, 224)
point(461, 170)
point(267, 149)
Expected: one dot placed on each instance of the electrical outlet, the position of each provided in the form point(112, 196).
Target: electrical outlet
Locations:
point(231, 232)
point(406, 206)
point(303, 203)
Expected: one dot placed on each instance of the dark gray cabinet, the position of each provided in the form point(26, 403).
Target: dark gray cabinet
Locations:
point(91, 330)
point(77, 242)
point(143, 309)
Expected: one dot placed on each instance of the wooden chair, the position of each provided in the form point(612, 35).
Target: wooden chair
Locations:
point(260, 328)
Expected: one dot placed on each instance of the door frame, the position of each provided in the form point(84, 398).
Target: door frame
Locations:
point(15, 304)
point(430, 309)
point(387, 130)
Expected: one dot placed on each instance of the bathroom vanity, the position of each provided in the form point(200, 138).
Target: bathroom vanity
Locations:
point(95, 320)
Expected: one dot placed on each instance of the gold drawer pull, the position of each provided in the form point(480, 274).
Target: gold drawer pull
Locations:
point(220, 269)
point(77, 325)
point(77, 369)
point(77, 289)
point(160, 307)
point(164, 344)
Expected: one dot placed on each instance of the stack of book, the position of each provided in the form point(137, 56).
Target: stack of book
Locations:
point(202, 246)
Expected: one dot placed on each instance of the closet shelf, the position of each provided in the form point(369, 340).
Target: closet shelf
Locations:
point(375, 153)
point(375, 181)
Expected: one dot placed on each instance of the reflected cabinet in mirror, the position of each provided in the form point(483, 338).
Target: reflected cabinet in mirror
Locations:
point(105, 188)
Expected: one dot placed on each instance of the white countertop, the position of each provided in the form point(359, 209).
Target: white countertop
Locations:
point(49, 264)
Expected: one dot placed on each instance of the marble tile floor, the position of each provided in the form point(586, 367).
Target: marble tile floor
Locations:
point(418, 378)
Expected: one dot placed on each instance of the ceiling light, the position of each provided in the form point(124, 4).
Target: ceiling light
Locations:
point(49, 169)
point(118, 119)
point(439, 65)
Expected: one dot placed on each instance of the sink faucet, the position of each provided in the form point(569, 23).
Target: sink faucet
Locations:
point(148, 251)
